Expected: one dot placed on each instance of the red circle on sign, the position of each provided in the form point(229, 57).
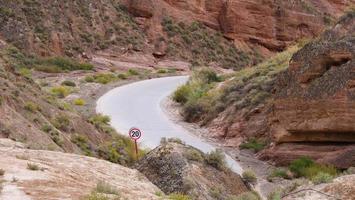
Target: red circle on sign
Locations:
point(135, 133)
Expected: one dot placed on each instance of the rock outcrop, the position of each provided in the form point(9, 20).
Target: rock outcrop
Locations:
point(300, 102)
point(268, 26)
point(340, 188)
point(316, 99)
point(178, 168)
point(65, 176)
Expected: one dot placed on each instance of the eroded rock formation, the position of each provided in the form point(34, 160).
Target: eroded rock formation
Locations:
point(268, 25)
point(316, 104)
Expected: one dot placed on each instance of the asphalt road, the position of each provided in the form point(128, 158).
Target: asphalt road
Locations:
point(139, 105)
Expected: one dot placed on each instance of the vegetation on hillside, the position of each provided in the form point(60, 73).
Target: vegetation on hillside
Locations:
point(52, 120)
point(202, 100)
point(24, 62)
point(94, 25)
point(201, 46)
point(318, 173)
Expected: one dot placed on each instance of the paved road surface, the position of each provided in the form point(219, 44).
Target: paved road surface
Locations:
point(139, 105)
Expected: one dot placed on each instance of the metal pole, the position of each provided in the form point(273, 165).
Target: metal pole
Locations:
point(136, 145)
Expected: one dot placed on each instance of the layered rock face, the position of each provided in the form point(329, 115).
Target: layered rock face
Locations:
point(65, 176)
point(266, 25)
point(316, 102)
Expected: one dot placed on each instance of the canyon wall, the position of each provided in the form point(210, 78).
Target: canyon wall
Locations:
point(315, 108)
point(268, 25)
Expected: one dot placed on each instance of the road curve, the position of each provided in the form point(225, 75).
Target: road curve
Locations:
point(139, 105)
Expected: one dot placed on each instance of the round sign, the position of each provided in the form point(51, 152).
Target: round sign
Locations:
point(135, 133)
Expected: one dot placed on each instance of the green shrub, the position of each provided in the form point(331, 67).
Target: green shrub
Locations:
point(79, 102)
point(278, 173)
point(177, 196)
point(176, 140)
point(83, 143)
point(95, 196)
point(89, 79)
point(158, 193)
point(61, 122)
point(133, 72)
point(246, 196)
point(275, 195)
point(32, 166)
point(120, 150)
point(195, 96)
point(316, 168)
point(299, 166)
point(322, 177)
point(162, 71)
point(207, 76)
point(216, 159)
point(2, 172)
point(195, 155)
point(103, 78)
point(216, 193)
point(253, 144)
point(68, 83)
point(53, 133)
point(110, 152)
point(61, 64)
point(25, 72)
point(122, 76)
point(32, 107)
point(181, 95)
point(306, 167)
point(350, 170)
point(249, 176)
point(106, 188)
point(61, 91)
point(99, 120)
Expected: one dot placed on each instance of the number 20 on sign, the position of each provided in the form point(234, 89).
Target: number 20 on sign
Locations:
point(135, 134)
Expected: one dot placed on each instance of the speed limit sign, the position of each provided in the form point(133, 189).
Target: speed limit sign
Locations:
point(135, 133)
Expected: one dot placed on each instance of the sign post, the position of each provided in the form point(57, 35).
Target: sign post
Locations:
point(135, 134)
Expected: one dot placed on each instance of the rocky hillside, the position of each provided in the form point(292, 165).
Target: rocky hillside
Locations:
point(42, 120)
point(218, 33)
point(300, 102)
point(315, 102)
point(68, 27)
point(82, 28)
point(268, 26)
point(177, 168)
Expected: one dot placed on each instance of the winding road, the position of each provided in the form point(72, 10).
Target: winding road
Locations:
point(139, 105)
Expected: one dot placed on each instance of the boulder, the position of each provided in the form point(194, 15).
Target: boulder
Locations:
point(175, 168)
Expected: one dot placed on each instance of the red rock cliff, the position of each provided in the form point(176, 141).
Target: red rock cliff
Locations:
point(268, 25)
point(314, 113)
